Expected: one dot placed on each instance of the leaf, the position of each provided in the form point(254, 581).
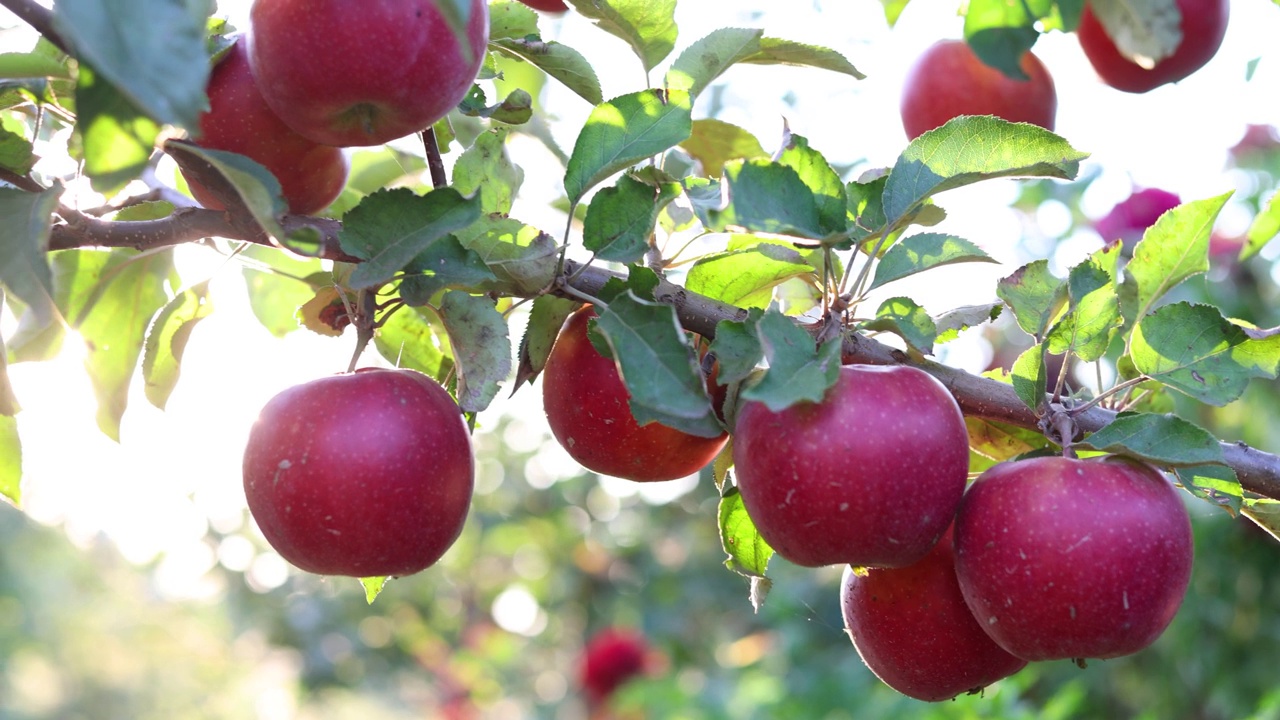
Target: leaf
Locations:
point(256, 187)
point(921, 252)
point(167, 339)
point(24, 269)
point(1160, 439)
point(748, 552)
point(715, 142)
point(511, 19)
point(765, 196)
point(904, 318)
point(1094, 309)
point(559, 61)
point(999, 441)
point(1216, 484)
point(1034, 295)
point(1000, 33)
point(775, 51)
point(799, 369)
point(486, 168)
point(1029, 377)
point(893, 10)
point(620, 219)
point(390, 228)
point(968, 149)
point(707, 58)
point(1175, 248)
point(545, 320)
point(1264, 512)
point(16, 65)
point(816, 173)
point(1143, 31)
point(746, 277)
point(415, 338)
point(952, 322)
point(481, 346)
point(117, 137)
point(658, 365)
point(623, 131)
point(1264, 228)
point(162, 71)
point(1192, 348)
point(373, 587)
point(648, 26)
point(514, 109)
point(444, 264)
point(15, 149)
point(866, 210)
point(521, 257)
point(277, 285)
point(10, 460)
point(737, 348)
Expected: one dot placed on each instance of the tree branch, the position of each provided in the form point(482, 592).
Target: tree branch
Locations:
point(38, 17)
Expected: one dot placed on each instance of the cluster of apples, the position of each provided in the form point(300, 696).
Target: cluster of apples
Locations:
point(949, 80)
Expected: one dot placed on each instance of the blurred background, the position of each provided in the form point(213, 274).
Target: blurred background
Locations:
point(133, 583)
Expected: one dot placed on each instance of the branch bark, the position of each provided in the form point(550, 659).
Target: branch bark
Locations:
point(38, 17)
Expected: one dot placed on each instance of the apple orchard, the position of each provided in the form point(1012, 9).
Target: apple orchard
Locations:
point(696, 301)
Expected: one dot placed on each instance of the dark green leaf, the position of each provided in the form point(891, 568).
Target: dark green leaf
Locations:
point(15, 148)
point(904, 318)
point(1194, 349)
point(623, 131)
point(1144, 31)
point(775, 51)
point(970, 149)
point(415, 338)
point(118, 138)
point(749, 554)
point(559, 61)
point(24, 269)
point(10, 460)
point(1175, 248)
point(1029, 377)
point(706, 59)
point(715, 142)
point(1000, 33)
point(521, 257)
point(620, 219)
point(865, 209)
point(167, 339)
point(822, 181)
point(444, 264)
point(1035, 296)
point(481, 347)
point(1264, 229)
point(390, 228)
point(765, 196)
point(648, 26)
point(918, 253)
point(799, 370)
point(737, 348)
point(545, 320)
point(746, 277)
point(1094, 309)
point(1216, 484)
point(1161, 439)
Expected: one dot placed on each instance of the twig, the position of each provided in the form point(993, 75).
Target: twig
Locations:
point(38, 17)
point(22, 182)
point(435, 163)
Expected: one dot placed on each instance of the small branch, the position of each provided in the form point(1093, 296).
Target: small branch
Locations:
point(22, 182)
point(38, 17)
point(435, 163)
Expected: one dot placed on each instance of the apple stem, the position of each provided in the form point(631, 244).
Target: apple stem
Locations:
point(363, 319)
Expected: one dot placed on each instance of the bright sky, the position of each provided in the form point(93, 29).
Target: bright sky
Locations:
point(177, 473)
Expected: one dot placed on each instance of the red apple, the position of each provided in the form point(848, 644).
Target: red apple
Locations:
point(1131, 217)
point(1063, 558)
point(949, 80)
point(352, 72)
point(870, 476)
point(611, 658)
point(238, 120)
point(588, 408)
point(1204, 23)
point(550, 6)
point(363, 474)
point(912, 629)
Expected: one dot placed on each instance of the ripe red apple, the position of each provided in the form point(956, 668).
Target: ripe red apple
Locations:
point(588, 408)
point(1204, 23)
point(550, 6)
point(949, 80)
point(611, 658)
point(1063, 558)
point(1131, 217)
point(238, 120)
point(912, 629)
point(362, 474)
point(352, 72)
point(870, 476)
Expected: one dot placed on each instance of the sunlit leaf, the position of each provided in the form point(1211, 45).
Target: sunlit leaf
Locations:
point(823, 181)
point(776, 51)
point(373, 587)
point(1215, 484)
point(623, 131)
point(486, 168)
point(904, 318)
point(118, 137)
point(714, 142)
point(167, 340)
point(1264, 229)
point(1029, 376)
point(545, 320)
point(746, 277)
point(648, 26)
point(999, 441)
point(918, 253)
point(415, 338)
point(10, 459)
point(1000, 33)
point(748, 552)
point(1094, 308)
point(521, 257)
point(559, 61)
point(1035, 296)
point(707, 58)
point(1175, 248)
point(257, 188)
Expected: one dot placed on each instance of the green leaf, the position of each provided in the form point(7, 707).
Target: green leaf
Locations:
point(658, 365)
point(1000, 33)
point(10, 460)
point(921, 252)
point(1143, 31)
point(486, 168)
point(893, 10)
point(521, 257)
point(1264, 512)
point(1175, 248)
point(620, 219)
point(1264, 228)
point(15, 148)
point(765, 196)
point(511, 19)
point(24, 269)
point(278, 284)
point(1216, 484)
point(17, 66)
point(816, 173)
point(904, 318)
point(390, 228)
point(1035, 296)
point(162, 71)
point(737, 348)
point(1194, 349)
point(746, 277)
point(999, 441)
point(258, 189)
point(373, 587)
point(481, 345)
point(1094, 309)
point(799, 369)
point(8, 401)
point(748, 552)
point(167, 339)
point(952, 322)
point(149, 210)
point(707, 58)
point(648, 26)
point(545, 320)
point(1161, 439)
point(969, 149)
point(866, 211)
point(415, 338)
point(118, 137)
point(444, 264)
point(1029, 377)
point(775, 51)
point(715, 142)
point(559, 61)
point(624, 131)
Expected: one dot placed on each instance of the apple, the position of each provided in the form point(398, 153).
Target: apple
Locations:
point(870, 476)
point(912, 629)
point(238, 120)
point(351, 72)
point(949, 80)
point(550, 6)
point(589, 411)
point(1130, 218)
point(611, 658)
point(1204, 23)
point(1064, 558)
point(363, 474)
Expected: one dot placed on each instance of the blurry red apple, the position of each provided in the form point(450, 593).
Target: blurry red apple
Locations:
point(589, 411)
point(353, 72)
point(238, 120)
point(949, 80)
point(1204, 23)
point(550, 6)
point(362, 474)
point(870, 476)
point(1131, 217)
point(912, 629)
point(611, 658)
point(1062, 558)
